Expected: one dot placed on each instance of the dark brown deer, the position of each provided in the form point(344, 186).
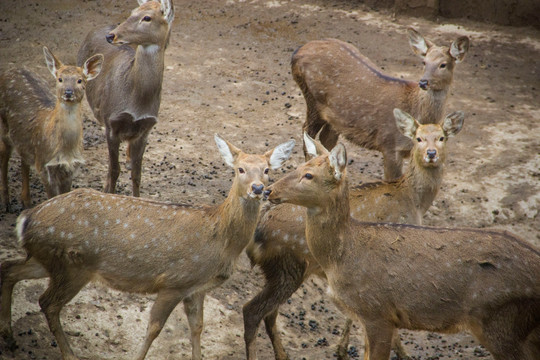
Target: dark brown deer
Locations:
point(46, 130)
point(178, 252)
point(346, 94)
point(127, 95)
point(282, 254)
point(391, 276)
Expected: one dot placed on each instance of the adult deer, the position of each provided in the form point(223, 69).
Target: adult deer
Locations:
point(347, 94)
point(280, 249)
point(127, 95)
point(178, 252)
point(420, 278)
point(46, 130)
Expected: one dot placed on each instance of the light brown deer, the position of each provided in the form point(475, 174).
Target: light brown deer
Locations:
point(46, 130)
point(127, 95)
point(178, 252)
point(282, 254)
point(392, 276)
point(347, 94)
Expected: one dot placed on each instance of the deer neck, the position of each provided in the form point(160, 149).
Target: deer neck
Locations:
point(423, 184)
point(146, 77)
point(327, 226)
point(237, 221)
point(429, 105)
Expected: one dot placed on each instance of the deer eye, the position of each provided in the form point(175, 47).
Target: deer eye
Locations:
point(308, 176)
point(266, 171)
point(241, 170)
point(442, 138)
point(424, 63)
point(147, 18)
point(60, 80)
point(442, 66)
point(79, 81)
point(418, 139)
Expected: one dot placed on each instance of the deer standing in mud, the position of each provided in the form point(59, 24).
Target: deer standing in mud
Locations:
point(127, 95)
point(346, 94)
point(46, 130)
point(392, 276)
point(178, 252)
point(280, 249)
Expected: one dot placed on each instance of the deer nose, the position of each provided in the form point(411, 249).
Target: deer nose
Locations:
point(110, 38)
point(423, 84)
point(431, 153)
point(257, 188)
point(267, 193)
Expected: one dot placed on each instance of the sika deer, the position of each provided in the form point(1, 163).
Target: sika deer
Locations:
point(282, 254)
point(347, 94)
point(45, 130)
point(420, 278)
point(178, 252)
point(126, 97)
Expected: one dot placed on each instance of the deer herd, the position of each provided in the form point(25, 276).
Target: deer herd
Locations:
point(383, 268)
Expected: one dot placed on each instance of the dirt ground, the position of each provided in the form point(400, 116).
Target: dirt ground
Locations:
point(228, 72)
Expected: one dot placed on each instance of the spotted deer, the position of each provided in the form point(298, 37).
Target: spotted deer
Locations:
point(391, 276)
point(127, 95)
point(280, 250)
point(178, 252)
point(45, 130)
point(347, 94)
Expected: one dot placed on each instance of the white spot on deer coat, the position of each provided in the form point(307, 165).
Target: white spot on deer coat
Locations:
point(51, 229)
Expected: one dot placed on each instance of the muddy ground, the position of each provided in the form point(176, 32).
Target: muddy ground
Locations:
point(227, 71)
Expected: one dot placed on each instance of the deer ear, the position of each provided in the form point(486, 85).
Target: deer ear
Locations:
point(338, 160)
point(92, 66)
point(228, 151)
point(418, 44)
point(53, 64)
point(279, 154)
point(453, 123)
point(167, 8)
point(313, 147)
point(459, 48)
point(142, 2)
point(406, 124)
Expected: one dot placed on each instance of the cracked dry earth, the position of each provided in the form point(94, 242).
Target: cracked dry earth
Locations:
point(228, 72)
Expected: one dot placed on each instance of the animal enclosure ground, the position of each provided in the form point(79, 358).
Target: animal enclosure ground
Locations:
point(228, 72)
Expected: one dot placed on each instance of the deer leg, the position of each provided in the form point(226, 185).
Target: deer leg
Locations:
point(328, 137)
point(63, 286)
point(166, 301)
point(378, 340)
point(25, 188)
point(313, 122)
point(11, 272)
point(343, 345)
point(113, 144)
point(393, 163)
point(193, 307)
point(136, 149)
point(5, 154)
point(64, 180)
point(283, 277)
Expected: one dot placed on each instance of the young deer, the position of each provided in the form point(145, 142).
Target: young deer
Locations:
point(282, 254)
point(178, 252)
point(45, 130)
point(420, 278)
point(347, 94)
point(127, 95)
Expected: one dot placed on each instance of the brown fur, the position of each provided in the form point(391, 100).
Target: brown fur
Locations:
point(175, 251)
point(127, 96)
point(392, 276)
point(346, 94)
point(46, 130)
point(282, 253)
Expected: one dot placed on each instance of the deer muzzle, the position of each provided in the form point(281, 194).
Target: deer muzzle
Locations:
point(423, 84)
point(110, 38)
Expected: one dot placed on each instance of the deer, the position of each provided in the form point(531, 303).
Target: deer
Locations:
point(126, 97)
point(45, 129)
point(178, 252)
point(347, 94)
point(391, 276)
point(279, 246)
